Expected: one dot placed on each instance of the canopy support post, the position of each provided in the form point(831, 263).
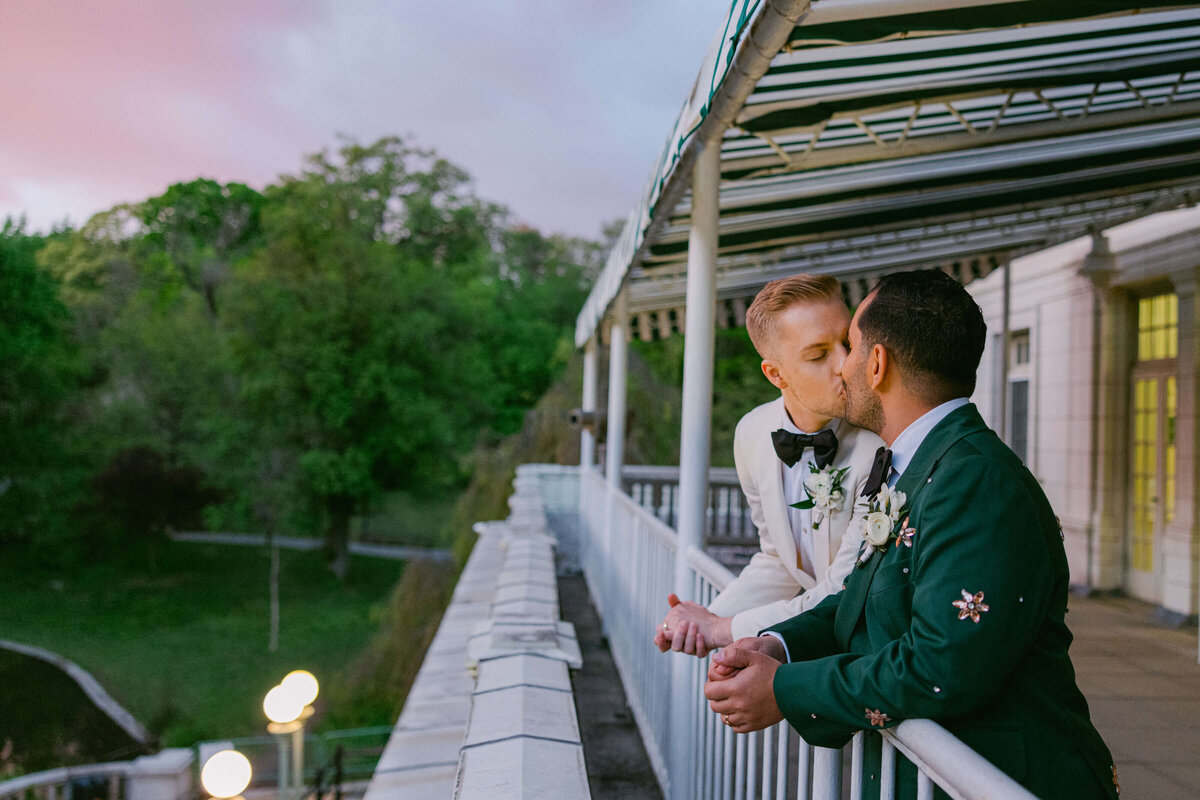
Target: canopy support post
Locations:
point(695, 434)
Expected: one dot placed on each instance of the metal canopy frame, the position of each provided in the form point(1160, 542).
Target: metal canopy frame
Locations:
point(862, 136)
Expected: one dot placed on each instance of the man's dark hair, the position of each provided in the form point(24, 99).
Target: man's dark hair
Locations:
point(931, 327)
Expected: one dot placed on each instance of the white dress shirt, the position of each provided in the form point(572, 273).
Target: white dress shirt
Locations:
point(794, 492)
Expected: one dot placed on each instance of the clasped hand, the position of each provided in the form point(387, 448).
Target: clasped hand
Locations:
point(741, 683)
point(691, 628)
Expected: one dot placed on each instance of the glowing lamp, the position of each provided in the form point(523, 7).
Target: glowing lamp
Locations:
point(226, 774)
point(302, 685)
point(281, 705)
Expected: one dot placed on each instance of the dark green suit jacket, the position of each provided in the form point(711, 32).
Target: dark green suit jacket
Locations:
point(893, 645)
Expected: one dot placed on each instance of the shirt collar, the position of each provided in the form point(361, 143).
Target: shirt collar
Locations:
point(906, 444)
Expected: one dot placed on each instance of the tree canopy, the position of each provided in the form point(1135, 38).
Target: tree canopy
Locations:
point(351, 330)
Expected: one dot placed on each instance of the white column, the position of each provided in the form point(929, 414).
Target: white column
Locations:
point(695, 434)
point(614, 442)
point(587, 440)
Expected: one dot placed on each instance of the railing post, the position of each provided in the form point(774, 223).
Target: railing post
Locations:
point(587, 440)
point(695, 433)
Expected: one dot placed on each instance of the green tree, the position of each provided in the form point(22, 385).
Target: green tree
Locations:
point(357, 326)
point(36, 376)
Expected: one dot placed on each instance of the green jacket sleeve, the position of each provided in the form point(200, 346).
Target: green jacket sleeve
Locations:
point(933, 652)
point(810, 635)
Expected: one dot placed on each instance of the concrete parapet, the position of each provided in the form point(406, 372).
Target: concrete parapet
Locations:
point(166, 775)
point(491, 713)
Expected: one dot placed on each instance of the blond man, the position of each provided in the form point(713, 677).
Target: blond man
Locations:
point(801, 468)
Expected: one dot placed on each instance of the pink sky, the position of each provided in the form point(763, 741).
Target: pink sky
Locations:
point(557, 109)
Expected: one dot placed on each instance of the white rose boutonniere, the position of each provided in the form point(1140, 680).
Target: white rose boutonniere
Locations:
point(824, 489)
point(883, 512)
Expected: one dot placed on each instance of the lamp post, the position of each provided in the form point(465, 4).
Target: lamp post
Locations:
point(226, 774)
point(288, 707)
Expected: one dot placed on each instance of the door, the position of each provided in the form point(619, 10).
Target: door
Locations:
point(1152, 451)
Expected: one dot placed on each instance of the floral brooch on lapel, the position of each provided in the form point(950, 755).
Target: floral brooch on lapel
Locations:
point(883, 512)
point(824, 489)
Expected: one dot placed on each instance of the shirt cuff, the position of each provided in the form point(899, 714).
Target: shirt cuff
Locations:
point(781, 641)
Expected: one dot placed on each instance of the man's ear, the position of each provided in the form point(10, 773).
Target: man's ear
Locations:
point(877, 366)
point(772, 372)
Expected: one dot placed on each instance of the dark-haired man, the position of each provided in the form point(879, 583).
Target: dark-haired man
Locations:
point(956, 610)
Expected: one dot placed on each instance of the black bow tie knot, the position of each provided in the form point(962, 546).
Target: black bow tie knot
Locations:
point(790, 446)
point(879, 472)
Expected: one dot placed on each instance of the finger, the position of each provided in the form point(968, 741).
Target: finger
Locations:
point(689, 643)
point(723, 672)
point(678, 636)
point(672, 599)
point(718, 692)
point(701, 645)
point(734, 657)
point(660, 641)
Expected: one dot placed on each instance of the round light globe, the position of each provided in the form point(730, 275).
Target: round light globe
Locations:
point(282, 705)
point(226, 774)
point(302, 684)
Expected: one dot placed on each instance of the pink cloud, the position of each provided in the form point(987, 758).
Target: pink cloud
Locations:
point(137, 95)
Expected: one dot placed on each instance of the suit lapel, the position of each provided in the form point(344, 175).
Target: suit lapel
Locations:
point(956, 425)
point(774, 504)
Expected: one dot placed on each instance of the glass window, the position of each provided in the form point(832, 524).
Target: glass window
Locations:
point(1158, 327)
point(1019, 418)
point(1019, 354)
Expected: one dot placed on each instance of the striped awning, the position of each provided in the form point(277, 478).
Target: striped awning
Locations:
point(887, 135)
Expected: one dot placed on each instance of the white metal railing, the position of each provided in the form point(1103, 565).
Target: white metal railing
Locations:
point(628, 556)
point(58, 784)
point(727, 514)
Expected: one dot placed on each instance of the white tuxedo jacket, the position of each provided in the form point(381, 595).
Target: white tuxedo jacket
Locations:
point(772, 587)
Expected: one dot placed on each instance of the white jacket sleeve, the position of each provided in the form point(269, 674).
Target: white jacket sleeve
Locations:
point(748, 621)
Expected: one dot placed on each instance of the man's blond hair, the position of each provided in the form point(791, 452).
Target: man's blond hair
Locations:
point(780, 295)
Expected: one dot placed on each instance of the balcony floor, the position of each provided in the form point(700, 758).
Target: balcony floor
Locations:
point(617, 765)
point(1142, 683)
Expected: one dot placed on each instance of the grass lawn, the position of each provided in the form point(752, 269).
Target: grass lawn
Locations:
point(185, 649)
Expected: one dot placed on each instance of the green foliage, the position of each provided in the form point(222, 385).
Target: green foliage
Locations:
point(371, 689)
point(738, 386)
point(394, 318)
point(347, 334)
point(142, 496)
point(36, 378)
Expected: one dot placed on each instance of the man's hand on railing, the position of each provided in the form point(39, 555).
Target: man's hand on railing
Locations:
point(741, 681)
point(691, 628)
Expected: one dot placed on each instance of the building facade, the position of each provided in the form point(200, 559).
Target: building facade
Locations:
point(1099, 398)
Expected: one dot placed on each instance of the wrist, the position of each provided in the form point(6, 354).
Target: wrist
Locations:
point(721, 632)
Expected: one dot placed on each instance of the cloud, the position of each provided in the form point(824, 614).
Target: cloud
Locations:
point(558, 109)
point(120, 99)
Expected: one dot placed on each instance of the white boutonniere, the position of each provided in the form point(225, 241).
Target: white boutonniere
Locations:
point(882, 513)
point(824, 489)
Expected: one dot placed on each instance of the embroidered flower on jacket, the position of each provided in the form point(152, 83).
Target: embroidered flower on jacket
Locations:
point(877, 717)
point(824, 489)
point(971, 605)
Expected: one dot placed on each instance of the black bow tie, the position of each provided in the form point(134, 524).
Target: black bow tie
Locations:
point(879, 472)
point(790, 446)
